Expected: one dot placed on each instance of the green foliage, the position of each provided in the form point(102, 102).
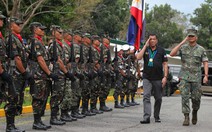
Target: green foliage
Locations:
point(203, 20)
point(159, 21)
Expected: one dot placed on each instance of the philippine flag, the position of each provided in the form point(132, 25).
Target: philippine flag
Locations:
point(136, 23)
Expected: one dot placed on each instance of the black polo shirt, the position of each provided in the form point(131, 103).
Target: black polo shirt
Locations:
point(156, 71)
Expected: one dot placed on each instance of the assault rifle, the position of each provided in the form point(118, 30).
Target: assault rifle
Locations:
point(11, 62)
point(102, 66)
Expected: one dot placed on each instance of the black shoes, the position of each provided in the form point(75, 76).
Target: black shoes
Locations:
point(88, 113)
point(96, 111)
point(147, 121)
point(55, 121)
point(39, 126)
point(157, 120)
point(105, 108)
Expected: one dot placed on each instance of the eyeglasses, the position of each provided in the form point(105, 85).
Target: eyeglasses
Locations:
point(191, 36)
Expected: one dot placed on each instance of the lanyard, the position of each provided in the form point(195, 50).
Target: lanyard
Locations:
point(151, 57)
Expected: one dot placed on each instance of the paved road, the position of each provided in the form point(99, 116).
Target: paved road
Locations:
point(128, 120)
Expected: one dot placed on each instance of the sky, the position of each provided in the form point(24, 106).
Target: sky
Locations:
point(185, 6)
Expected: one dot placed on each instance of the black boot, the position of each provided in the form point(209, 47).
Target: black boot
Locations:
point(94, 109)
point(64, 116)
point(55, 121)
point(117, 105)
point(133, 101)
point(76, 114)
point(129, 103)
point(11, 126)
point(104, 108)
point(37, 123)
point(123, 103)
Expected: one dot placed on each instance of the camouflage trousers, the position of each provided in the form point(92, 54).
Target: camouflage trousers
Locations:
point(104, 90)
point(118, 88)
point(190, 90)
point(86, 91)
point(76, 93)
point(39, 101)
point(20, 85)
point(67, 99)
point(57, 94)
point(11, 101)
point(95, 89)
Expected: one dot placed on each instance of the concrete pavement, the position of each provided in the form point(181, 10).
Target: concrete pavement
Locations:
point(128, 119)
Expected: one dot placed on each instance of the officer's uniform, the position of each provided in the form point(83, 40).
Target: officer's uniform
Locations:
point(190, 74)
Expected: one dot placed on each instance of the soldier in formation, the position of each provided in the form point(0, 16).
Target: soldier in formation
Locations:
point(74, 67)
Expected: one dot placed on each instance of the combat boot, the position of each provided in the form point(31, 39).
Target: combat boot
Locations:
point(194, 117)
point(104, 108)
point(55, 121)
point(133, 101)
point(123, 103)
point(129, 103)
point(11, 126)
point(76, 114)
point(87, 113)
point(186, 121)
point(64, 116)
point(94, 109)
point(117, 105)
point(37, 123)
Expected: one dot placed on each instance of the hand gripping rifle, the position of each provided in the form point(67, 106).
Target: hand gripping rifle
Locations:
point(102, 66)
point(11, 62)
point(33, 66)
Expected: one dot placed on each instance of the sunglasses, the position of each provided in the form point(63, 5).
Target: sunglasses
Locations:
point(191, 36)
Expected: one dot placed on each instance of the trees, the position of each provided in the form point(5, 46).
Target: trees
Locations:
point(203, 21)
point(162, 21)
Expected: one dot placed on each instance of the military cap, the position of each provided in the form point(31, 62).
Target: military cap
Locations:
point(192, 32)
point(95, 37)
point(68, 31)
point(56, 27)
point(37, 24)
point(16, 20)
point(88, 35)
point(2, 16)
point(77, 32)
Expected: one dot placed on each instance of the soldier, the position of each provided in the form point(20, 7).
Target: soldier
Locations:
point(95, 89)
point(192, 57)
point(86, 91)
point(67, 99)
point(77, 85)
point(105, 88)
point(118, 70)
point(57, 92)
point(7, 94)
point(39, 62)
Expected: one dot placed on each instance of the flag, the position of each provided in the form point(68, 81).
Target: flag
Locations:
point(135, 28)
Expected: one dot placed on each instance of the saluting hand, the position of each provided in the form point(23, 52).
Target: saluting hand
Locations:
point(184, 41)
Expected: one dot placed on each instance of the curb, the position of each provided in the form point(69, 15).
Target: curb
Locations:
point(28, 109)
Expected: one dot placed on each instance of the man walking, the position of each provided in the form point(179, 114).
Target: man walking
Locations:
point(154, 78)
point(192, 57)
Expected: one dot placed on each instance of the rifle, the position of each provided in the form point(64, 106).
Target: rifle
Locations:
point(11, 62)
point(116, 69)
point(81, 64)
point(128, 71)
point(72, 61)
point(33, 66)
point(102, 66)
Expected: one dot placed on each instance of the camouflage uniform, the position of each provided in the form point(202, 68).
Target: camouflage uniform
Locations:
point(19, 50)
point(119, 81)
point(105, 88)
point(191, 75)
point(67, 99)
point(95, 89)
point(57, 92)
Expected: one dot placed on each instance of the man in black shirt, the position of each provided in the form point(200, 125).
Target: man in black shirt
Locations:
point(154, 76)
